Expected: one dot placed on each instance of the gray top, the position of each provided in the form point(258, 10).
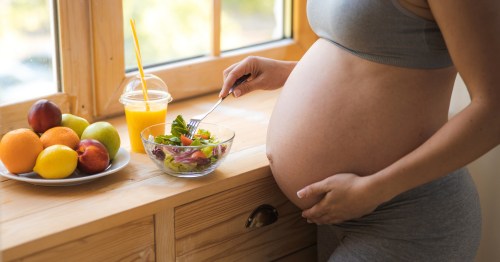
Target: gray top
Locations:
point(381, 31)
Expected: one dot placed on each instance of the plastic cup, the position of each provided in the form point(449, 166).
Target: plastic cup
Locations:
point(139, 113)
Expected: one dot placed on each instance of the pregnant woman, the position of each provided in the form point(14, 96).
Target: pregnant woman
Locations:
point(379, 164)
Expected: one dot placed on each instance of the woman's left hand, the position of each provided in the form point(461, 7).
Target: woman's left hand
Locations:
point(345, 196)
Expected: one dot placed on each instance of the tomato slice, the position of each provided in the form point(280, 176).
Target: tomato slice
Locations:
point(185, 140)
point(198, 154)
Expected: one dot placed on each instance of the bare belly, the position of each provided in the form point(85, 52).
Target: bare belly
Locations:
point(338, 113)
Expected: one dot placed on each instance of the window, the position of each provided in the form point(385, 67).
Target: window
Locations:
point(246, 23)
point(93, 42)
point(174, 30)
point(28, 49)
point(167, 30)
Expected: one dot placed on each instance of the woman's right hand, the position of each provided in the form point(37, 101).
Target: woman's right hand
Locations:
point(265, 74)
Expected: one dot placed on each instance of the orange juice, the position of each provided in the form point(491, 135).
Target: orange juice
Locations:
point(144, 107)
point(138, 119)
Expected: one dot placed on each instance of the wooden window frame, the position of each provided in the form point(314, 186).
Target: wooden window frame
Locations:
point(93, 68)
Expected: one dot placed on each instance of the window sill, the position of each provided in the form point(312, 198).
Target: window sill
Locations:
point(34, 218)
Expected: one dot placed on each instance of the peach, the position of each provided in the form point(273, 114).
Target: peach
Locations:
point(93, 157)
point(43, 115)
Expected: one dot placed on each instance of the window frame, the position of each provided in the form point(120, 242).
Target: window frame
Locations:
point(92, 63)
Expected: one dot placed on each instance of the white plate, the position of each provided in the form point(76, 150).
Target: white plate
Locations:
point(120, 161)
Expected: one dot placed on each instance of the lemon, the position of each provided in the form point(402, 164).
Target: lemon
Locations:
point(56, 161)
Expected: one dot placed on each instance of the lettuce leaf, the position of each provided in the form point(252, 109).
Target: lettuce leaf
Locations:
point(179, 127)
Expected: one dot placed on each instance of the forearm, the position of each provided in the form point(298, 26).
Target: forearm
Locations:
point(289, 66)
point(464, 138)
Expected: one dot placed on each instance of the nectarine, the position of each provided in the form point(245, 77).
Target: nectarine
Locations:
point(93, 157)
point(43, 115)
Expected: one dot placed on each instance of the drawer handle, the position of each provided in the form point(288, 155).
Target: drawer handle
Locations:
point(262, 216)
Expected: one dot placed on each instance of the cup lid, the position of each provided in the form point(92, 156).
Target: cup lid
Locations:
point(157, 90)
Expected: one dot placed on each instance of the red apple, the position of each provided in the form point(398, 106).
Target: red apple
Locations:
point(44, 115)
point(93, 157)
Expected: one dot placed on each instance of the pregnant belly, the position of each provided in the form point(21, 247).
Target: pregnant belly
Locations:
point(329, 120)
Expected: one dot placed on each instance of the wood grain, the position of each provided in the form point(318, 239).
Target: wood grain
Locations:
point(216, 18)
point(133, 241)
point(306, 254)
point(76, 55)
point(213, 228)
point(108, 49)
point(165, 235)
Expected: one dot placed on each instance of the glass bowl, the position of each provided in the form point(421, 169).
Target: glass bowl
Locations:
point(185, 161)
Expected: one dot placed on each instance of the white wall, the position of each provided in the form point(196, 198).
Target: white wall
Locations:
point(486, 174)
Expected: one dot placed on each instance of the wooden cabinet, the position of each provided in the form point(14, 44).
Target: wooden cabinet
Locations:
point(214, 228)
point(133, 241)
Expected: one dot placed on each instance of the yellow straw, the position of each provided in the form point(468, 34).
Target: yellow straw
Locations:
point(139, 63)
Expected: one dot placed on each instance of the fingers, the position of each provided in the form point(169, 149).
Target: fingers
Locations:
point(231, 75)
point(320, 214)
point(313, 213)
point(241, 89)
point(313, 190)
point(265, 74)
point(252, 66)
point(228, 70)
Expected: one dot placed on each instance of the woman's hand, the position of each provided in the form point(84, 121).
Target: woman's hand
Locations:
point(265, 73)
point(345, 196)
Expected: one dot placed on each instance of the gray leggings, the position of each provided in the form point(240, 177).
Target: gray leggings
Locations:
point(438, 221)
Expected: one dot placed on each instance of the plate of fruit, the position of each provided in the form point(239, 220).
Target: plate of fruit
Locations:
point(60, 149)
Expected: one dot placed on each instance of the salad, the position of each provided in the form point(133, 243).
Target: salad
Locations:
point(196, 154)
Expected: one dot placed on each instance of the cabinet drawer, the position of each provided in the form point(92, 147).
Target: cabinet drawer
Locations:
point(133, 241)
point(214, 228)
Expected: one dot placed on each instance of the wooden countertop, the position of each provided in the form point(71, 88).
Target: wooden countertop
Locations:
point(33, 218)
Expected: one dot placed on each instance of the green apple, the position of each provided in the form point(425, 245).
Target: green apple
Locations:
point(78, 124)
point(105, 133)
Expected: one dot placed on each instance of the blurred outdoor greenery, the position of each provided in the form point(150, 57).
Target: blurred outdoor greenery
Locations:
point(178, 29)
point(27, 49)
point(24, 17)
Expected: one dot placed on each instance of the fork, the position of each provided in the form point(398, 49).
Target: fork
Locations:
point(194, 122)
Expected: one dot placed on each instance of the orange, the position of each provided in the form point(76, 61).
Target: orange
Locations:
point(19, 149)
point(60, 135)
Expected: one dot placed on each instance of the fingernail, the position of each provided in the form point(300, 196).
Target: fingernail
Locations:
point(300, 193)
point(237, 92)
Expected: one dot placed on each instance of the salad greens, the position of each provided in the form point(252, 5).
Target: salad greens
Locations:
point(179, 127)
point(199, 153)
point(179, 135)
